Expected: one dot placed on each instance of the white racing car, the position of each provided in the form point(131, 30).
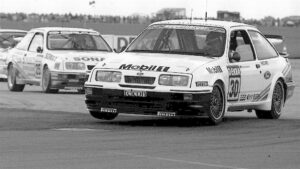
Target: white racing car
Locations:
point(55, 58)
point(192, 68)
point(8, 39)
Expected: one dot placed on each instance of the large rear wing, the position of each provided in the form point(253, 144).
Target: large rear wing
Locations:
point(279, 43)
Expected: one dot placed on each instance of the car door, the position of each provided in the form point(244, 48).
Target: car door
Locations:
point(19, 53)
point(268, 60)
point(243, 74)
point(34, 56)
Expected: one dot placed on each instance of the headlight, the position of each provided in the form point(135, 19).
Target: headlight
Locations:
point(75, 66)
point(108, 76)
point(173, 80)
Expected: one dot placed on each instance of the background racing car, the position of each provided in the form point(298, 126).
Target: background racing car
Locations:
point(8, 39)
point(192, 68)
point(55, 58)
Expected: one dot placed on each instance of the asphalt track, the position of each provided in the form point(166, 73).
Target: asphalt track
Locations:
point(54, 131)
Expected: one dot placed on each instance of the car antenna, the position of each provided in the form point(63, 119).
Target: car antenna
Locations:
point(205, 10)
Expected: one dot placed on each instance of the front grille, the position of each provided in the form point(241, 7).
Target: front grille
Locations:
point(139, 79)
point(90, 67)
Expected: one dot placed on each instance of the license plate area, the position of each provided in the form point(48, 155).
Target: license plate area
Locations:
point(166, 114)
point(135, 93)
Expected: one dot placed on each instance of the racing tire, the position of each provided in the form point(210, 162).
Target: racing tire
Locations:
point(12, 78)
point(46, 82)
point(276, 104)
point(103, 116)
point(216, 105)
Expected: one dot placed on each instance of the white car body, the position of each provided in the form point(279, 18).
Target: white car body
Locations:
point(246, 85)
point(12, 36)
point(68, 68)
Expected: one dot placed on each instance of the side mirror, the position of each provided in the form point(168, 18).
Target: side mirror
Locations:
point(39, 49)
point(234, 57)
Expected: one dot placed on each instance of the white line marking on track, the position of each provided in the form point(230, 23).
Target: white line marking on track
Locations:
point(175, 160)
point(74, 129)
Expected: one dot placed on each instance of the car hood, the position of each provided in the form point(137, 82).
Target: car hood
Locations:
point(155, 62)
point(80, 56)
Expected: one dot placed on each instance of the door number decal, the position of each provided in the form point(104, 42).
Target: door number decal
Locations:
point(234, 81)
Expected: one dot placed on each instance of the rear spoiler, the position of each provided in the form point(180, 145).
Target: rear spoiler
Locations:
point(268, 36)
point(275, 40)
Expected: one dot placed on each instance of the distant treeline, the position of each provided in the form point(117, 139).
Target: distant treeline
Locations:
point(133, 19)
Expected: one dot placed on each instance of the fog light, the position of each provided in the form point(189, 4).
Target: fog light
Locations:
point(187, 96)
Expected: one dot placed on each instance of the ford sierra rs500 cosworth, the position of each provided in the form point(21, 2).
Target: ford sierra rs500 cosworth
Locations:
point(8, 39)
point(55, 58)
point(192, 68)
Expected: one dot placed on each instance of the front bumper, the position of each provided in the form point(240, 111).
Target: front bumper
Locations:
point(155, 103)
point(61, 80)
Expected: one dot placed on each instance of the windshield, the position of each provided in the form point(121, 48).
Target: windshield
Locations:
point(10, 39)
point(181, 39)
point(76, 41)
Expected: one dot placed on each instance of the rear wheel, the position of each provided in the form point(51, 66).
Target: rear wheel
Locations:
point(46, 82)
point(276, 105)
point(12, 78)
point(217, 104)
point(103, 116)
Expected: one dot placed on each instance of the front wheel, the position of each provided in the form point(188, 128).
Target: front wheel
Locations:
point(103, 116)
point(217, 104)
point(12, 78)
point(276, 104)
point(46, 82)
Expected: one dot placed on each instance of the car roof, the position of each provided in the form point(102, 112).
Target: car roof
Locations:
point(216, 23)
point(13, 30)
point(47, 29)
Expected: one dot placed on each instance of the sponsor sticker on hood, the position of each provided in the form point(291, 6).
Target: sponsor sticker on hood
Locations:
point(88, 59)
point(144, 67)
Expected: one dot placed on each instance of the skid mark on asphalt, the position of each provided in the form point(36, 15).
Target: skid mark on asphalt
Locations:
point(175, 160)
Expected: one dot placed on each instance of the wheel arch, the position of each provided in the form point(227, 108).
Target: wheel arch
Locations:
point(284, 87)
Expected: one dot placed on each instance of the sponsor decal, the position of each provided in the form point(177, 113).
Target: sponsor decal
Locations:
point(135, 93)
point(108, 110)
point(214, 69)
point(188, 27)
point(38, 69)
point(201, 83)
point(87, 59)
point(144, 67)
point(263, 94)
point(50, 57)
point(264, 62)
point(166, 114)
point(249, 97)
point(267, 75)
point(286, 70)
point(234, 73)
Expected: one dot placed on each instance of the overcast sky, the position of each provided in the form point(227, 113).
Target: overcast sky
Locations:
point(248, 8)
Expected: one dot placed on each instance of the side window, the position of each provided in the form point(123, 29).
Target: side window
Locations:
point(240, 42)
point(24, 43)
point(263, 48)
point(36, 42)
